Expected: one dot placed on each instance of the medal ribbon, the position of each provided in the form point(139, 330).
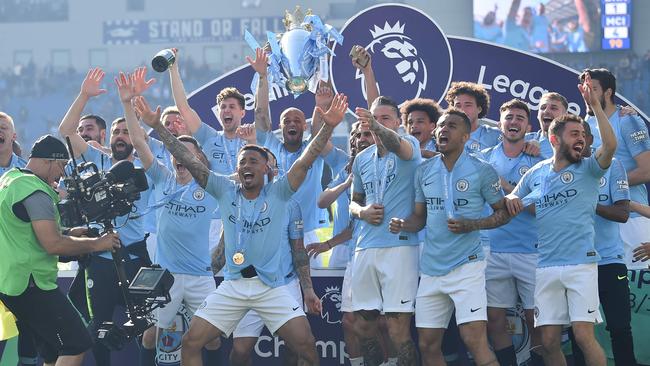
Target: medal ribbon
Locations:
point(229, 159)
point(380, 179)
point(244, 238)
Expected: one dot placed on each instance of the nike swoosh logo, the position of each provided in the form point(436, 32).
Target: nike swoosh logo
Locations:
point(217, 145)
point(474, 310)
point(363, 172)
point(621, 277)
point(427, 183)
point(590, 311)
point(404, 302)
point(158, 157)
point(296, 308)
point(535, 185)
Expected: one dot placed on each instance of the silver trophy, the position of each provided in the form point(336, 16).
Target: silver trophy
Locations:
point(299, 56)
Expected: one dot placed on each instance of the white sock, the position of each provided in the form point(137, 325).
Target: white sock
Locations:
point(357, 361)
point(392, 361)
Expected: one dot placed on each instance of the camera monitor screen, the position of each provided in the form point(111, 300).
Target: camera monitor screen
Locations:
point(146, 279)
point(554, 26)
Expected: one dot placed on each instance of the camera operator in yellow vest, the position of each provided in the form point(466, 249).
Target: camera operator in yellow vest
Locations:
point(30, 243)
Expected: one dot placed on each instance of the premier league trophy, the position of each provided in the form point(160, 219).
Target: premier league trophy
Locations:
point(298, 57)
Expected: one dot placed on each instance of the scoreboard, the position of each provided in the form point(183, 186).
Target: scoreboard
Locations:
point(616, 22)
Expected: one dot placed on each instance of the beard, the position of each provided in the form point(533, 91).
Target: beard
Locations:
point(567, 152)
point(121, 155)
point(602, 105)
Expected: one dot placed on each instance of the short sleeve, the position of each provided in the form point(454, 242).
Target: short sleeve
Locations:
point(204, 133)
point(336, 159)
point(281, 188)
point(593, 167)
point(158, 172)
point(341, 177)
point(295, 221)
point(490, 185)
point(523, 189)
point(357, 184)
point(218, 184)
point(419, 193)
point(618, 186)
point(415, 145)
point(635, 134)
point(39, 206)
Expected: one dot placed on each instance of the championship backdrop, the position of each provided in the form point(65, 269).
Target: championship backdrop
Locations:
point(411, 57)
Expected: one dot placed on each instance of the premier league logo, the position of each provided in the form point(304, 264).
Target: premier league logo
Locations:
point(411, 57)
point(331, 301)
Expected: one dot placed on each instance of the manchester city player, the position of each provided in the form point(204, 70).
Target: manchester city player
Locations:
point(513, 251)
point(294, 125)
point(382, 181)
point(451, 190)
point(419, 117)
point(613, 289)
point(564, 190)
point(8, 159)
point(633, 152)
point(255, 211)
point(551, 105)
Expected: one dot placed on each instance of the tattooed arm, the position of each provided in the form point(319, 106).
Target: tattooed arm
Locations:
point(262, 115)
point(184, 156)
point(218, 256)
point(388, 138)
point(301, 264)
point(499, 217)
point(331, 119)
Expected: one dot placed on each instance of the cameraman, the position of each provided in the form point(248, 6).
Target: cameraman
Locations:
point(31, 240)
point(102, 282)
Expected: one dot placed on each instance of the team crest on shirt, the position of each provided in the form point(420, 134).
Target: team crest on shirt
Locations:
point(602, 182)
point(390, 165)
point(199, 194)
point(332, 301)
point(265, 207)
point(523, 169)
point(462, 185)
point(475, 146)
point(566, 177)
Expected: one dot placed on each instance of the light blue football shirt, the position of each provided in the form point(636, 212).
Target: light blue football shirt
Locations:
point(613, 187)
point(294, 231)
point(262, 235)
point(633, 139)
point(184, 223)
point(482, 138)
point(15, 162)
point(565, 203)
point(396, 176)
point(311, 188)
point(545, 148)
point(473, 183)
point(520, 234)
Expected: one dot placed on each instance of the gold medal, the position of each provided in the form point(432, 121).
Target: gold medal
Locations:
point(238, 258)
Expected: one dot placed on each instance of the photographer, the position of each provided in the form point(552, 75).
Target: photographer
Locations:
point(31, 241)
point(102, 281)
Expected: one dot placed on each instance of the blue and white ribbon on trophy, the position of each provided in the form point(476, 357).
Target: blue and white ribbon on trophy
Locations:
point(300, 59)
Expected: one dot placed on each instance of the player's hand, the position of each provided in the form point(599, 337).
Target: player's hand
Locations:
point(363, 57)
point(149, 117)
point(312, 301)
point(125, 88)
point(642, 252)
point(336, 111)
point(587, 93)
point(140, 82)
point(514, 205)
point(107, 242)
point(260, 64)
point(90, 87)
point(247, 133)
point(174, 65)
point(365, 118)
point(396, 224)
point(461, 226)
point(532, 148)
point(314, 249)
point(373, 214)
point(626, 110)
point(324, 95)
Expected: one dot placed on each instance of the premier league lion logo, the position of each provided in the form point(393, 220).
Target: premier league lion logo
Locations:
point(411, 57)
point(331, 301)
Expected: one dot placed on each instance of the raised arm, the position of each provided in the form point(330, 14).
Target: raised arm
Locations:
point(370, 83)
point(389, 138)
point(262, 110)
point(90, 87)
point(607, 149)
point(298, 171)
point(411, 224)
point(218, 256)
point(329, 195)
point(199, 171)
point(180, 98)
point(324, 97)
point(127, 92)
